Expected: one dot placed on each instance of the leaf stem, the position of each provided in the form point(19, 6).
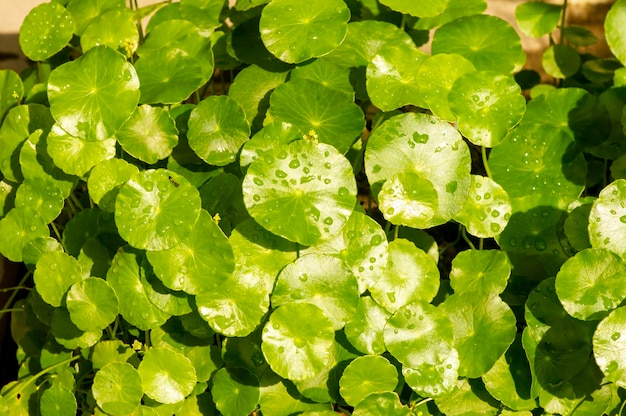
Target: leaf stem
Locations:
point(483, 152)
point(561, 37)
point(453, 243)
point(403, 23)
point(56, 231)
point(39, 374)
point(466, 238)
point(481, 243)
point(9, 302)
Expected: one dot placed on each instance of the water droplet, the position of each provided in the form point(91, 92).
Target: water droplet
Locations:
point(391, 296)
point(303, 277)
point(281, 174)
point(258, 181)
point(257, 198)
point(294, 164)
point(615, 336)
point(328, 221)
point(622, 219)
point(343, 191)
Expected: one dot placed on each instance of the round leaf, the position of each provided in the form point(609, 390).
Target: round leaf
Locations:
point(326, 114)
point(423, 9)
point(489, 42)
point(294, 31)
point(390, 89)
point(57, 400)
point(437, 75)
point(11, 90)
point(304, 194)
point(155, 209)
point(609, 348)
point(117, 388)
point(199, 263)
point(115, 29)
point(411, 275)
point(362, 245)
point(576, 226)
point(494, 106)
point(46, 30)
point(149, 135)
point(322, 280)
point(537, 19)
point(84, 12)
point(55, 273)
point(76, 156)
point(235, 391)
point(408, 199)
point(561, 61)
point(40, 195)
point(326, 72)
point(607, 219)
point(167, 376)
point(217, 129)
point(81, 94)
point(105, 180)
point(68, 335)
point(381, 404)
point(17, 228)
point(365, 329)
point(484, 328)
point(366, 375)
point(421, 337)
point(589, 285)
point(427, 146)
point(487, 209)
point(295, 351)
point(485, 271)
point(92, 304)
point(615, 30)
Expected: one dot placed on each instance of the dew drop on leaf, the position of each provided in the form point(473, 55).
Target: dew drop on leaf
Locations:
point(616, 336)
point(622, 219)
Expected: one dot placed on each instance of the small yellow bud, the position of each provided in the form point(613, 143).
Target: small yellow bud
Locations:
point(312, 135)
point(217, 218)
point(15, 95)
point(137, 346)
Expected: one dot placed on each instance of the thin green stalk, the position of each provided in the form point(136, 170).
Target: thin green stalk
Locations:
point(403, 23)
point(483, 152)
point(396, 231)
point(9, 302)
point(621, 409)
point(56, 230)
point(466, 238)
point(562, 38)
point(447, 246)
point(76, 201)
point(22, 386)
point(481, 243)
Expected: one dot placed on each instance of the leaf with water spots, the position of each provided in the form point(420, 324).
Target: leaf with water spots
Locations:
point(92, 304)
point(117, 388)
point(386, 403)
point(106, 179)
point(489, 42)
point(217, 129)
point(408, 199)
point(609, 348)
point(487, 210)
point(322, 280)
point(589, 284)
point(167, 376)
point(305, 192)
point(156, 209)
point(428, 147)
point(420, 336)
point(485, 271)
point(240, 381)
point(46, 30)
point(365, 329)
point(116, 29)
point(296, 31)
point(607, 219)
point(487, 105)
point(295, 351)
point(326, 114)
point(42, 196)
point(54, 274)
point(11, 91)
point(81, 93)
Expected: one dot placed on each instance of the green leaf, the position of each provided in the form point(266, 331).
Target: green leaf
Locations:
point(392, 78)
point(46, 30)
point(265, 140)
point(81, 94)
point(454, 10)
point(117, 388)
point(469, 398)
point(115, 29)
point(589, 284)
point(251, 89)
point(217, 129)
point(366, 375)
point(536, 19)
point(496, 105)
point(366, 39)
point(607, 219)
point(608, 346)
point(381, 404)
point(427, 146)
point(55, 273)
point(325, 113)
point(11, 91)
point(420, 336)
point(84, 12)
point(149, 134)
point(561, 61)
point(294, 31)
point(324, 71)
point(235, 391)
point(155, 209)
point(408, 199)
point(205, 15)
point(57, 400)
point(124, 278)
point(321, 280)
point(410, 275)
point(34, 249)
point(40, 195)
point(485, 271)
point(67, 334)
point(437, 75)
point(487, 210)
point(167, 376)
point(305, 193)
point(111, 351)
point(579, 35)
point(422, 9)
point(484, 328)
point(106, 179)
point(365, 329)
point(576, 227)
point(76, 156)
point(92, 304)
point(362, 245)
point(615, 30)
point(200, 262)
point(279, 398)
point(295, 351)
point(489, 42)
point(18, 227)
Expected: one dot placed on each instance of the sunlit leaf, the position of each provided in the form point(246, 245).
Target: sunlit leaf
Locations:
point(11, 91)
point(115, 29)
point(366, 375)
point(421, 9)
point(615, 30)
point(57, 400)
point(92, 304)
point(379, 404)
point(106, 179)
point(608, 346)
point(536, 18)
point(117, 388)
point(167, 376)
point(46, 30)
point(235, 391)
point(607, 219)
point(485, 271)
point(561, 61)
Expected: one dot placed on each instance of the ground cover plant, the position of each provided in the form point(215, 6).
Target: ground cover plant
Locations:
point(288, 207)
